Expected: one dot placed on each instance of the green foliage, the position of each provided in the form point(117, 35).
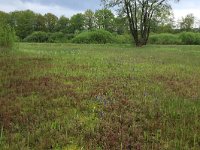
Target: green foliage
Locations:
point(190, 38)
point(39, 37)
point(7, 36)
point(23, 22)
point(76, 23)
point(184, 38)
point(50, 22)
point(164, 38)
point(105, 19)
point(62, 24)
point(95, 37)
point(4, 17)
point(187, 23)
point(40, 22)
point(43, 37)
point(57, 37)
point(123, 39)
point(89, 19)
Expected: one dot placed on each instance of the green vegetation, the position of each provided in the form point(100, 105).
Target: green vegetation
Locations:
point(68, 96)
point(184, 38)
point(102, 26)
point(165, 39)
point(40, 37)
point(43, 37)
point(94, 37)
point(190, 38)
point(7, 36)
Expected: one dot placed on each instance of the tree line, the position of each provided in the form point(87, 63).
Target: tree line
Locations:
point(162, 21)
point(27, 22)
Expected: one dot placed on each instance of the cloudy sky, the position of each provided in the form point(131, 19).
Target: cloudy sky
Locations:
point(70, 7)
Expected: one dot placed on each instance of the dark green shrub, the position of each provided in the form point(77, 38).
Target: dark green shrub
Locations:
point(164, 38)
point(39, 37)
point(190, 38)
point(7, 36)
point(95, 37)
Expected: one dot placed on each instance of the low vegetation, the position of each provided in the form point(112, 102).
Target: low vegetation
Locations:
point(184, 38)
point(94, 37)
point(165, 39)
point(44, 37)
point(69, 96)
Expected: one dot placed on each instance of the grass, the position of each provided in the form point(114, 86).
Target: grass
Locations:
point(67, 96)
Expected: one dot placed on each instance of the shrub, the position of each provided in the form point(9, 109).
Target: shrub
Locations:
point(39, 37)
point(7, 36)
point(94, 37)
point(190, 38)
point(42, 37)
point(124, 39)
point(164, 38)
point(56, 37)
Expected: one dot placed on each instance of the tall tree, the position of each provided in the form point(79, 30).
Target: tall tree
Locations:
point(63, 24)
point(187, 22)
point(50, 22)
point(23, 22)
point(140, 14)
point(77, 23)
point(89, 19)
point(105, 19)
point(39, 24)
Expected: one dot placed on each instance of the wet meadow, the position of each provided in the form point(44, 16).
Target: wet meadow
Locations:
point(104, 97)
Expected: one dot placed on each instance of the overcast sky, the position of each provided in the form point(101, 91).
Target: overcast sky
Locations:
point(70, 7)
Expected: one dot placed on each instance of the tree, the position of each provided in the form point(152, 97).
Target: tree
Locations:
point(105, 19)
point(63, 24)
point(163, 21)
point(89, 19)
point(39, 24)
point(121, 24)
point(4, 17)
point(76, 23)
point(50, 22)
point(23, 22)
point(140, 14)
point(187, 23)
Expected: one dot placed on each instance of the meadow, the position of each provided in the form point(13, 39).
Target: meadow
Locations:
point(109, 97)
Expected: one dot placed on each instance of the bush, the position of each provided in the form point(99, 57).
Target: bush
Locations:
point(39, 37)
point(190, 38)
point(7, 36)
point(56, 37)
point(94, 37)
point(43, 37)
point(164, 38)
point(59, 37)
point(123, 39)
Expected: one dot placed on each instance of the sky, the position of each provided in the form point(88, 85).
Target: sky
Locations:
point(70, 7)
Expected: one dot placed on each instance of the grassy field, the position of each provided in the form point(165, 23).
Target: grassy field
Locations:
point(109, 97)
